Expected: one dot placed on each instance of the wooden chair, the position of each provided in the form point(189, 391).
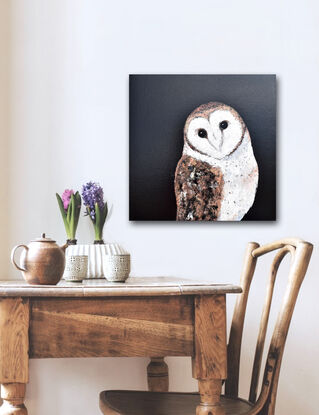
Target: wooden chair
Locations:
point(170, 403)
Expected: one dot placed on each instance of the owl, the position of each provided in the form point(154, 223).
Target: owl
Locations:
point(217, 176)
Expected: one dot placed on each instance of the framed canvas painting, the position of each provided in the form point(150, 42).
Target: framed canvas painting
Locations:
point(202, 148)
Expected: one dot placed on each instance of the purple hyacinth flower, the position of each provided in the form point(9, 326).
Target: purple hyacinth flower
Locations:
point(66, 198)
point(92, 193)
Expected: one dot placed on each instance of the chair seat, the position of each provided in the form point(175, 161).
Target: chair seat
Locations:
point(162, 403)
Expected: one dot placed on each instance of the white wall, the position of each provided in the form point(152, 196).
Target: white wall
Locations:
point(68, 101)
point(4, 129)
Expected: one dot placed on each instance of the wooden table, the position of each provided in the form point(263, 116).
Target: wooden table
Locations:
point(143, 317)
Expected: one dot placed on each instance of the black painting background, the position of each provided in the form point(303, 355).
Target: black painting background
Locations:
point(159, 106)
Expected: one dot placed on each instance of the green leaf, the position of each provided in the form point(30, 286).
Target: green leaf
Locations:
point(105, 212)
point(78, 198)
point(66, 225)
point(72, 217)
point(97, 216)
point(68, 215)
point(60, 204)
point(98, 223)
point(78, 205)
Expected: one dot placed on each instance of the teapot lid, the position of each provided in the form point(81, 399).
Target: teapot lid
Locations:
point(43, 239)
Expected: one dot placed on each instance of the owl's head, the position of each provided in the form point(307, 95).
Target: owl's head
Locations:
point(214, 129)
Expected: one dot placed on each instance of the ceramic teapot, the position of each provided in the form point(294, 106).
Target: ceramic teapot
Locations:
point(42, 261)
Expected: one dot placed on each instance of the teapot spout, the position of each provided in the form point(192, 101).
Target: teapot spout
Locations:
point(63, 247)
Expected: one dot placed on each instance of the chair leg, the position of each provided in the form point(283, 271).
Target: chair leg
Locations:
point(157, 375)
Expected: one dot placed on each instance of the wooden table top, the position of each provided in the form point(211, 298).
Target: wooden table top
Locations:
point(134, 286)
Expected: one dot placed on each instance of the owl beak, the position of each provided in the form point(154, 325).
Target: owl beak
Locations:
point(217, 142)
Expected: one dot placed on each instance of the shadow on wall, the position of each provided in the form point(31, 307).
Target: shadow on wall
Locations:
point(5, 8)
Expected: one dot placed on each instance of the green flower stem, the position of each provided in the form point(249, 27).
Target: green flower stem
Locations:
point(71, 216)
point(100, 217)
point(98, 234)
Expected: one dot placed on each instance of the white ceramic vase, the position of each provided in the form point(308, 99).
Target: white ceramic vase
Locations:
point(96, 254)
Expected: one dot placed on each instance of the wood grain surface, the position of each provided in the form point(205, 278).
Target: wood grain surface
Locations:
point(157, 375)
point(236, 332)
point(264, 397)
point(143, 317)
point(134, 286)
point(13, 399)
point(14, 345)
point(173, 403)
point(74, 327)
point(210, 360)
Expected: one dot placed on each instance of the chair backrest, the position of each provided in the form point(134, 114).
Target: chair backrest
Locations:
point(300, 256)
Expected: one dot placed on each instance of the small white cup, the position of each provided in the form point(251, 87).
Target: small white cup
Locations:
point(117, 267)
point(76, 267)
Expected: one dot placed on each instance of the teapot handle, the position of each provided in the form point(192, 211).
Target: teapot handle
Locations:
point(12, 256)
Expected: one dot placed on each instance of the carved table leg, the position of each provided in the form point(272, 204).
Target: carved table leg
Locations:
point(14, 363)
point(13, 398)
point(210, 391)
point(210, 358)
point(157, 375)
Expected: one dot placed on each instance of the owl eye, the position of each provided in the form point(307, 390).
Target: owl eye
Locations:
point(202, 133)
point(223, 125)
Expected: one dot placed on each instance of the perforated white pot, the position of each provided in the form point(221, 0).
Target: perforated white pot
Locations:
point(95, 254)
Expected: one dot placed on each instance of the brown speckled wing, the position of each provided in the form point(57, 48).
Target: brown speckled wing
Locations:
point(198, 190)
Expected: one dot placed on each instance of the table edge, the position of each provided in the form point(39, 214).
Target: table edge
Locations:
point(117, 291)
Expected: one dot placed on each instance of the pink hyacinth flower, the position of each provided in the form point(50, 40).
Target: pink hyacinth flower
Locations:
point(66, 198)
